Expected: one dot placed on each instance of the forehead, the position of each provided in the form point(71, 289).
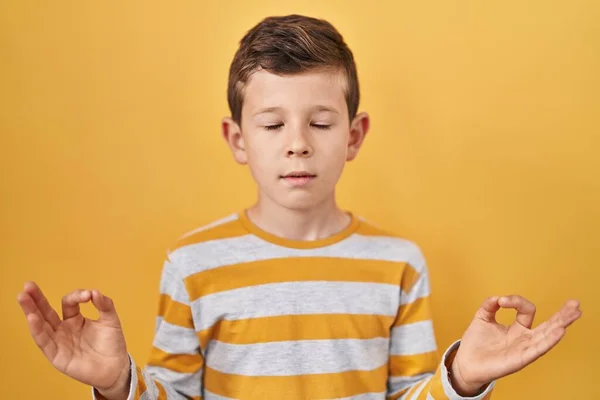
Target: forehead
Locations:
point(295, 91)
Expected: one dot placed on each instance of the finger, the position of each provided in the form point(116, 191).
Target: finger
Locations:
point(42, 303)
point(525, 309)
point(548, 334)
point(44, 341)
point(542, 342)
point(568, 314)
point(70, 302)
point(29, 307)
point(106, 308)
point(488, 309)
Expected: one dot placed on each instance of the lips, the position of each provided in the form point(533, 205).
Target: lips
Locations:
point(298, 178)
point(299, 174)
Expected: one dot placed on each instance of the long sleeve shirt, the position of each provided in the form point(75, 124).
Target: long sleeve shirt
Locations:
point(244, 314)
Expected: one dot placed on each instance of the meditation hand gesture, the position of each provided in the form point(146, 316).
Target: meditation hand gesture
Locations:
point(489, 350)
point(90, 351)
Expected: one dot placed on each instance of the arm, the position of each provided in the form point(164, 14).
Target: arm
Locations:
point(175, 365)
point(416, 369)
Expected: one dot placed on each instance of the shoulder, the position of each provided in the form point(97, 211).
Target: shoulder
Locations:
point(393, 244)
point(220, 229)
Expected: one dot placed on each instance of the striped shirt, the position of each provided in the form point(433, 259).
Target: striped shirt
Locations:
point(244, 314)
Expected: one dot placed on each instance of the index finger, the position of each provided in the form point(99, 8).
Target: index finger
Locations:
point(525, 308)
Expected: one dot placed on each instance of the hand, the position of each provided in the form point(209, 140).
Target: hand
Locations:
point(489, 351)
point(90, 351)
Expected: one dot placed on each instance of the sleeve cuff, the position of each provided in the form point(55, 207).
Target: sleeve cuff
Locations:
point(133, 383)
point(448, 389)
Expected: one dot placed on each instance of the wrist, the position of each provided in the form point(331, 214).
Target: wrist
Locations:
point(120, 389)
point(460, 385)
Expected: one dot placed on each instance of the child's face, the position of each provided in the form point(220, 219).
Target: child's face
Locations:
point(296, 124)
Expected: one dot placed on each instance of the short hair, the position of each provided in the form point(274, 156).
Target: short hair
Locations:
point(288, 45)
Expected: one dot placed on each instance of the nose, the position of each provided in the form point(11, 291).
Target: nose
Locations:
point(299, 146)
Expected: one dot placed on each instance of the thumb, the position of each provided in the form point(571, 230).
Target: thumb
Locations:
point(106, 308)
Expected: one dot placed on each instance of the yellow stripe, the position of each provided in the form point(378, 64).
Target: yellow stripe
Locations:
point(367, 229)
point(413, 390)
point(418, 310)
point(162, 394)
point(299, 387)
point(291, 270)
point(141, 387)
point(397, 395)
point(226, 230)
point(174, 312)
point(175, 362)
point(409, 278)
point(298, 327)
point(414, 364)
point(435, 387)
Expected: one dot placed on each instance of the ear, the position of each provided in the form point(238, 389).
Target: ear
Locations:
point(358, 131)
point(232, 133)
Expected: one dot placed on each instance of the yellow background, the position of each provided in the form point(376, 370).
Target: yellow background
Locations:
point(485, 135)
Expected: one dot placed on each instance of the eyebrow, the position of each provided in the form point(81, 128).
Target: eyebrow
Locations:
point(318, 108)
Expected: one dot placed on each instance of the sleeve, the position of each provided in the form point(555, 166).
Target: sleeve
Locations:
point(416, 368)
point(175, 366)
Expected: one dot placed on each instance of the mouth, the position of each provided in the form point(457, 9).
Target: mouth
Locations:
point(299, 174)
point(298, 178)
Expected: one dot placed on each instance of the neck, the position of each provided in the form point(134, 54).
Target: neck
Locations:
point(314, 223)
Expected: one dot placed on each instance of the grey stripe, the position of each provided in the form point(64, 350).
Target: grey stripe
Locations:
point(413, 338)
point(172, 284)
point(146, 395)
point(293, 298)
point(365, 396)
point(208, 395)
point(218, 222)
point(420, 289)
point(397, 383)
point(186, 383)
point(298, 357)
point(151, 392)
point(420, 388)
point(212, 254)
point(175, 339)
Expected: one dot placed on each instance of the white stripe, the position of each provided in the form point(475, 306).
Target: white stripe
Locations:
point(186, 383)
point(429, 396)
point(208, 395)
point(397, 383)
point(175, 339)
point(151, 392)
point(416, 394)
point(420, 289)
point(298, 357)
point(295, 298)
point(365, 396)
point(415, 338)
point(171, 283)
point(220, 221)
point(216, 253)
point(146, 395)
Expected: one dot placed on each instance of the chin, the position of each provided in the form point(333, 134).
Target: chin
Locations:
point(299, 201)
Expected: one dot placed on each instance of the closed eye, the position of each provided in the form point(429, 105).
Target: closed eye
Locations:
point(277, 126)
point(273, 127)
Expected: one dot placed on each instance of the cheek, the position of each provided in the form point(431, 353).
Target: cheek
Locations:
point(260, 162)
point(335, 151)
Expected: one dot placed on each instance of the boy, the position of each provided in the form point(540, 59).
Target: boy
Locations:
point(292, 298)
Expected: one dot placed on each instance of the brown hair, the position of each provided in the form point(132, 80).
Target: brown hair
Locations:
point(288, 45)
